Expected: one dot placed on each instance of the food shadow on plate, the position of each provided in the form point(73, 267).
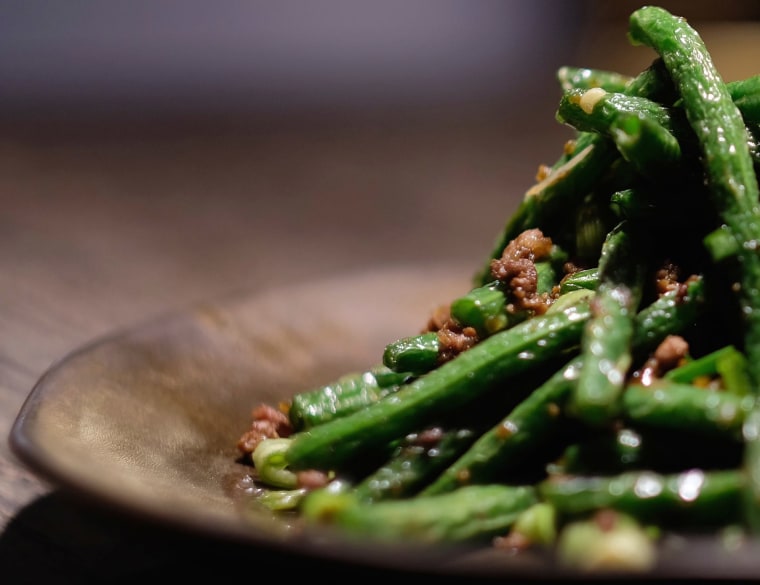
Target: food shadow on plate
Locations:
point(60, 539)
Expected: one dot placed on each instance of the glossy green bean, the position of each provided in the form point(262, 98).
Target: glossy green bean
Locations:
point(574, 176)
point(691, 498)
point(722, 136)
point(607, 336)
point(472, 514)
point(531, 424)
point(494, 360)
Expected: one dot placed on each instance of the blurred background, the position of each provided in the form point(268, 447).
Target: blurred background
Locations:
point(191, 55)
point(219, 145)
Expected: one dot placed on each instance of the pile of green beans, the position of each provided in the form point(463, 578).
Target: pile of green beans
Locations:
point(565, 428)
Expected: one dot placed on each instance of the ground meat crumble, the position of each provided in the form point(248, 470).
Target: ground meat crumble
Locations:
point(267, 423)
point(517, 269)
point(669, 354)
point(453, 338)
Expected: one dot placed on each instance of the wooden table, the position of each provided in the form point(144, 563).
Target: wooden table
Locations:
point(105, 223)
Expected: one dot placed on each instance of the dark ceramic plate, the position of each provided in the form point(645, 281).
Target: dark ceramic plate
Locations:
point(146, 420)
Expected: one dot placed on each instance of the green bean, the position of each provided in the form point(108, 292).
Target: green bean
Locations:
point(471, 514)
point(413, 465)
point(537, 524)
point(661, 203)
point(721, 244)
point(691, 498)
point(569, 299)
point(559, 192)
point(450, 386)
point(666, 404)
point(753, 144)
point(630, 448)
point(531, 424)
point(592, 222)
point(647, 134)
point(605, 345)
point(745, 93)
point(572, 177)
point(650, 147)
point(280, 500)
point(607, 336)
point(751, 468)
point(586, 279)
point(720, 129)
point(671, 313)
point(632, 204)
point(547, 273)
point(347, 394)
point(654, 83)
point(622, 545)
point(269, 460)
point(595, 110)
point(586, 78)
point(721, 133)
point(732, 369)
point(422, 456)
point(483, 308)
point(726, 363)
point(416, 354)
